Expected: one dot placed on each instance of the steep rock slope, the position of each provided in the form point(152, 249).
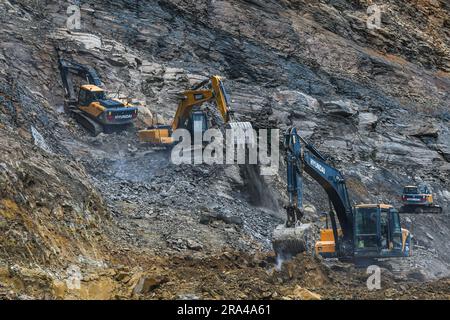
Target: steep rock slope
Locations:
point(375, 101)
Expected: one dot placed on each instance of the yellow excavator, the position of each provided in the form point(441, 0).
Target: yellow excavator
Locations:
point(191, 116)
point(90, 107)
point(365, 232)
point(418, 199)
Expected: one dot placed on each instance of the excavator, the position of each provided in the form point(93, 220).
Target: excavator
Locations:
point(91, 108)
point(365, 232)
point(418, 199)
point(189, 114)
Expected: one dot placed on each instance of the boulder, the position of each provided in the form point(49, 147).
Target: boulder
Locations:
point(428, 129)
point(310, 211)
point(148, 283)
point(193, 245)
point(207, 218)
point(145, 116)
point(340, 108)
point(367, 120)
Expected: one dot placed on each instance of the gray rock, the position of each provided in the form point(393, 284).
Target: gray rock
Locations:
point(194, 245)
point(428, 129)
point(340, 108)
point(367, 120)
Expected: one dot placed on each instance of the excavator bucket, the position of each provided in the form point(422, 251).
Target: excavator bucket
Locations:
point(287, 242)
point(159, 135)
point(242, 133)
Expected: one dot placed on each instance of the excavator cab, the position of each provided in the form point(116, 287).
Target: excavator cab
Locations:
point(378, 233)
point(198, 122)
point(89, 94)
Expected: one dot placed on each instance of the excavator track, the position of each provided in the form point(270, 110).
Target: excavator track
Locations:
point(421, 209)
point(93, 127)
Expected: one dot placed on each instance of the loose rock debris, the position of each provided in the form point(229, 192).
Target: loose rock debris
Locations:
point(138, 227)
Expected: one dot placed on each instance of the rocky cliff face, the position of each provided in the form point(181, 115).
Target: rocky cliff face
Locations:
point(375, 101)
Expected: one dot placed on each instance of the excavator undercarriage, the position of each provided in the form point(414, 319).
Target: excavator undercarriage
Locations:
point(90, 125)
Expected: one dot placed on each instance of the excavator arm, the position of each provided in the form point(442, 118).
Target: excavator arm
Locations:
point(211, 89)
point(302, 156)
point(67, 68)
point(222, 100)
point(191, 98)
point(199, 95)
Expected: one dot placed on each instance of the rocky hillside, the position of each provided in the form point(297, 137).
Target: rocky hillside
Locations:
point(375, 101)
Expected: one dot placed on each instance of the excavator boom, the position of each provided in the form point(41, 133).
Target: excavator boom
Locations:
point(67, 68)
point(302, 156)
point(191, 98)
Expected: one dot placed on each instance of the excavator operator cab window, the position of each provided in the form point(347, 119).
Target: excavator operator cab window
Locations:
point(366, 231)
point(82, 97)
point(98, 95)
point(86, 97)
point(384, 229)
point(395, 230)
point(198, 122)
point(410, 190)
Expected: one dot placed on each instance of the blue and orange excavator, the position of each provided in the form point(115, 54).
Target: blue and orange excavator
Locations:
point(365, 231)
point(90, 107)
